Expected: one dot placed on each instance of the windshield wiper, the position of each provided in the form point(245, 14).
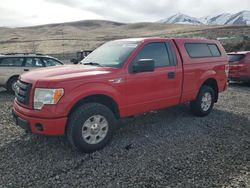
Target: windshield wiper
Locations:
point(92, 63)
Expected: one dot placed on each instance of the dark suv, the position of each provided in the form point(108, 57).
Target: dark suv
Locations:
point(12, 65)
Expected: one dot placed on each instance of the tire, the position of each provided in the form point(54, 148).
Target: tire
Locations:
point(82, 122)
point(202, 106)
point(11, 84)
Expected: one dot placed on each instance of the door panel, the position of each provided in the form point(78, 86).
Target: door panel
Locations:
point(150, 91)
point(153, 90)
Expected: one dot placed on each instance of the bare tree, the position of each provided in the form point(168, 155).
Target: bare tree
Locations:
point(32, 47)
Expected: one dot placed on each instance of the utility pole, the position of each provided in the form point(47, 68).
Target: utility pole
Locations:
point(62, 43)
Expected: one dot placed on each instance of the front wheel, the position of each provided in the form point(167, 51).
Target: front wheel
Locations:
point(90, 127)
point(204, 102)
point(11, 86)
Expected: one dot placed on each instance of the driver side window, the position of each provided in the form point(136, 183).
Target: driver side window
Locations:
point(156, 51)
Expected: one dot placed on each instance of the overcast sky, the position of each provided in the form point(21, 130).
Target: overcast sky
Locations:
point(35, 12)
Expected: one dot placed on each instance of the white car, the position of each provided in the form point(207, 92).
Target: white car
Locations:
point(12, 65)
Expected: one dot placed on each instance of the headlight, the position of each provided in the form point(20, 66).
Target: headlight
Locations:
point(46, 96)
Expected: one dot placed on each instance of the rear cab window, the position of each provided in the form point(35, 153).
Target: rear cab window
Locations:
point(202, 50)
point(214, 50)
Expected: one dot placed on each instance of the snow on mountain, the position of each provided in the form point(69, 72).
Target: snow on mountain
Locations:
point(240, 18)
point(181, 19)
point(220, 19)
point(205, 19)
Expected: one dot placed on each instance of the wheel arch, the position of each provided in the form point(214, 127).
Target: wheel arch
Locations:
point(212, 82)
point(9, 79)
point(98, 98)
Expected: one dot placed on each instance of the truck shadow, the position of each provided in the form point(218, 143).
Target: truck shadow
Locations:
point(208, 150)
point(240, 85)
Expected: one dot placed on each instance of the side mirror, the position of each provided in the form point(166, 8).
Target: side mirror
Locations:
point(74, 61)
point(144, 65)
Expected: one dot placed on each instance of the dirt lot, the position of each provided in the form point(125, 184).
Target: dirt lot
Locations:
point(170, 148)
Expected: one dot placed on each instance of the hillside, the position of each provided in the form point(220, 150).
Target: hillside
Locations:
point(74, 36)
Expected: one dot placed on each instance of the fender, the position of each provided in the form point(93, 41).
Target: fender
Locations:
point(205, 76)
point(92, 89)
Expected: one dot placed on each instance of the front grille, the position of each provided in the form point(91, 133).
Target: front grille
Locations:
point(22, 92)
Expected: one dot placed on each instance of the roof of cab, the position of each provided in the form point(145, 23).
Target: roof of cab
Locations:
point(161, 38)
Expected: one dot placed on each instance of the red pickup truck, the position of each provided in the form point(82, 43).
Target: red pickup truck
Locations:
point(121, 78)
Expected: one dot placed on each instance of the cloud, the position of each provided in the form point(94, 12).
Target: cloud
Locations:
point(151, 10)
point(122, 10)
point(28, 12)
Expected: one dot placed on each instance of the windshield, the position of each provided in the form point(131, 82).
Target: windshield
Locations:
point(235, 57)
point(111, 54)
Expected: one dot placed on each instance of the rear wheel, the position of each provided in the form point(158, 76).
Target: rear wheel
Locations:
point(12, 85)
point(204, 102)
point(90, 127)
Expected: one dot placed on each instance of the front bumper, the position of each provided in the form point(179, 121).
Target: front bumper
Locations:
point(42, 126)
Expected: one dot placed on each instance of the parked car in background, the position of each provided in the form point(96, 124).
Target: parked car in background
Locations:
point(121, 78)
point(239, 66)
point(80, 56)
point(13, 65)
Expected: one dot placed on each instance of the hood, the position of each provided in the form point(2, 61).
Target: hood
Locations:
point(65, 73)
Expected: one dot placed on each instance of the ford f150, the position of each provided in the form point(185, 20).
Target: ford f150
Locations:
point(121, 78)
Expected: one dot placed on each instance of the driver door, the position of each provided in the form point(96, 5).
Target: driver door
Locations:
point(148, 91)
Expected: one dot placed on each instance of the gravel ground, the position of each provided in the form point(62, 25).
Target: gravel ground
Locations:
point(169, 148)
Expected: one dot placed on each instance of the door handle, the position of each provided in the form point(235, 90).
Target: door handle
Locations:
point(26, 69)
point(171, 75)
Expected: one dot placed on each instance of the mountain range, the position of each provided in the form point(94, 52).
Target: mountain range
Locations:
point(240, 18)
